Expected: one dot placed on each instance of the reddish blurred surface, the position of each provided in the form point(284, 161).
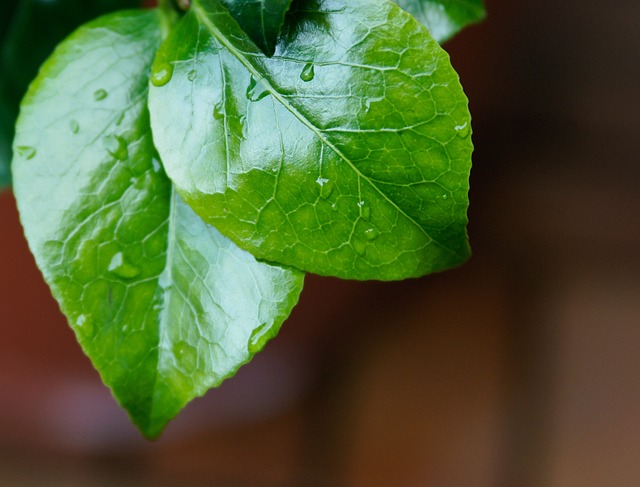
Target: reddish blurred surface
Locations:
point(521, 368)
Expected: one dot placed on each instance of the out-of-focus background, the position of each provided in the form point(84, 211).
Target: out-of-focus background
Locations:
point(521, 368)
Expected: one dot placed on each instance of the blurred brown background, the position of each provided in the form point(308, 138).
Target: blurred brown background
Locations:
point(521, 368)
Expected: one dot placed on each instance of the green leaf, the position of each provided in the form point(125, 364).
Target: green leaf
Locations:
point(347, 153)
point(444, 18)
point(262, 20)
point(29, 30)
point(163, 304)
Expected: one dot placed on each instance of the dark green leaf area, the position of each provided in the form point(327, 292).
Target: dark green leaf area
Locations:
point(262, 20)
point(163, 304)
point(444, 18)
point(347, 153)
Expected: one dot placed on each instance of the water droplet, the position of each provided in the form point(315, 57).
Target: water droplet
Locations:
point(308, 72)
point(85, 327)
point(120, 119)
point(121, 268)
point(371, 233)
point(256, 90)
point(161, 74)
point(117, 147)
point(444, 196)
point(359, 247)
point(157, 165)
point(218, 111)
point(326, 187)
point(186, 355)
point(365, 210)
point(74, 126)
point(463, 130)
point(100, 95)
point(26, 151)
point(259, 338)
point(192, 75)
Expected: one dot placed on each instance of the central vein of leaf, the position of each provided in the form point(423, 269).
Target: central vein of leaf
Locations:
point(204, 19)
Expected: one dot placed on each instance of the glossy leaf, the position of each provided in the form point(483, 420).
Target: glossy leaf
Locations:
point(347, 153)
point(444, 18)
point(262, 20)
point(29, 31)
point(163, 304)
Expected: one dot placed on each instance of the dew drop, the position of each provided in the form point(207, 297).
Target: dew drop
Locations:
point(259, 338)
point(85, 327)
point(74, 126)
point(445, 196)
point(256, 90)
point(161, 74)
point(121, 268)
point(192, 75)
point(120, 119)
point(218, 111)
point(371, 234)
point(157, 165)
point(326, 187)
point(117, 147)
point(365, 210)
point(308, 72)
point(359, 247)
point(100, 95)
point(186, 355)
point(463, 130)
point(26, 151)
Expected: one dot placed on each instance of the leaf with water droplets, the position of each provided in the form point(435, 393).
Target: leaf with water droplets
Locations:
point(29, 30)
point(262, 20)
point(163, 304)
point(444, 18)
point(301, 168)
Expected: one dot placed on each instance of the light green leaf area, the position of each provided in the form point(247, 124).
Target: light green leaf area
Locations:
point(444, 18)
point(163, 304)
point(262, 20)
point(347, 153)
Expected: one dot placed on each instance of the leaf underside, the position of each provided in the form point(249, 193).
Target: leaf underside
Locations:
point(444, 18)
point(347, 153)
point(262, 20)
point(163, 304)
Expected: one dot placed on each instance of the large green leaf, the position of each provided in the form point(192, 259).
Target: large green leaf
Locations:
point(29, 30)
point(444, 18)
point(163, 304)
point(261, 19)
point(347, 153)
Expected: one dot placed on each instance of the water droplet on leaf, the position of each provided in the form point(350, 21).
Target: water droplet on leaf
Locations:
point(308, 72)
point(161, 74)
point(463, 130)
point(186, 355)
point(100, 95)
point(192, 75)
point(444, 196)
point(326, 187)
point(74, 126)
point(26, 151)
point(117, 147)
point(359, 247)
point(218, 111)
point(259, 338)
point(85, 327)
point(371, 233)
point(121, 268)
point(256, 90)
point(365, 210)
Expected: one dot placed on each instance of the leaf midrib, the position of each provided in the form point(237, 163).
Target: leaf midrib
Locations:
point(202, 17)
